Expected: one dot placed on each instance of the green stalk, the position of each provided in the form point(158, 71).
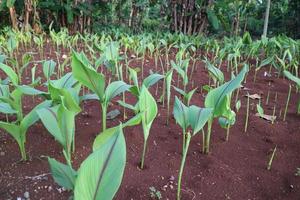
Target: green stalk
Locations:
point(23, 151)
point(104, 109)
point(271, 159)
point(287, 102)
point(268, 96)
point(203, 140)
point(188, 139)
point(247, 113)
point(207, 139)
point(144, 151)
point(227, 132)
point(183, 139)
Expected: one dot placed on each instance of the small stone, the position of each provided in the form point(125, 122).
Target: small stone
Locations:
point(171, 187)
point(113, 114)
point(172, 178)
point(19, 198)
point(26, 195)
point(49, 188)
point(2, 153)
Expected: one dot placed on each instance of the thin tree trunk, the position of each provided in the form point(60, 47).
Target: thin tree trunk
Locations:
point(13, 18)
point(266, 19)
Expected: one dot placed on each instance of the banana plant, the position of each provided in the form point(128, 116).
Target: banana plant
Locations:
point(89, 77)
point(219, 100)
point(11, 103)
point(193, 117)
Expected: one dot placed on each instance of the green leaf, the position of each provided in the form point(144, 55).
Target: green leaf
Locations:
point(10, 73)
point(13, 129)
point(25, 89)
point(198, 117)
point(48, 68)
point(215, 72)
point(32, 116)
point(212, 18)
point(180, 113)
point(290, 76)
point(260, 110)
point(102, 138)
point(67, 81)
point(62, 174)
point(7, 109)
point(152, 79)
point(87, 75)
point(219, 99)
point(148, 106)
point(50, 120)
point(115, 88)
point(100, 175)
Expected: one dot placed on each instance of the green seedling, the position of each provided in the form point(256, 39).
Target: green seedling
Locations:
point(187, 96)
point(287, 102)
point(11, 103)
point(193, 117)
point(100, 174)
point(295, 79)
point(219, 100)
point(271, 159)
point(89, 77)
point(60, 120)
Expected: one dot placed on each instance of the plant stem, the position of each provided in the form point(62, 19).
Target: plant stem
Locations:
point(143, 154)
point(287, 102)
point(271, 159)
point(227, 132)
point(247, 113)
point(23, 151)
point(188, 139)
point(104, 109)
point(207, 139)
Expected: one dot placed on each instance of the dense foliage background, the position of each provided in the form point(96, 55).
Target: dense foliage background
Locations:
point(221, 17)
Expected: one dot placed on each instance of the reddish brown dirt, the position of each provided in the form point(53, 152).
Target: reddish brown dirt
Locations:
point(233, 170)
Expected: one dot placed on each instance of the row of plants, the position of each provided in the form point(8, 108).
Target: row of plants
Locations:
point(88, 81)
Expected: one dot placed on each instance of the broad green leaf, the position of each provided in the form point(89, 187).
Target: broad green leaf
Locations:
point(148, 106)
point(7, 109)
point(67, 81)
point(62, 174)
point(100, 175)
point(32, 116)
point(133, 76)
point(212, 18)
point(290, 76)
point(10, 73)
point(25, 89)
point(102, 138)
point(4, 90)
point(50, 120)
point(115, 88)
point(48, 68)
point(218, 98)
point(180, 113)
point(87, 75)
point(13, 129)
point(215, 72)
point(152, 79)
point(2, 58)
point(198, 117)
point(260, 110)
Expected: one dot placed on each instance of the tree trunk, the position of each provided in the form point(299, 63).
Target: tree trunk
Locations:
point(266, 19)
point(13, 18)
